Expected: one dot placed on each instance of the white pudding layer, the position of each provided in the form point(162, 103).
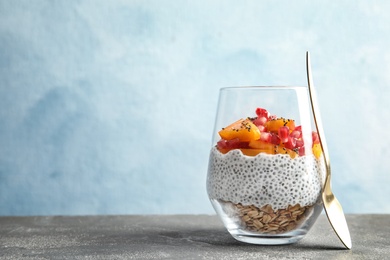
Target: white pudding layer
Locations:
point(277, 180)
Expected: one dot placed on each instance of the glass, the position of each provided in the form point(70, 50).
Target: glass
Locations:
point(266, 168)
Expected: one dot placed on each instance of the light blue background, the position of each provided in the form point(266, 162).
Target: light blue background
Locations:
point(107, 107)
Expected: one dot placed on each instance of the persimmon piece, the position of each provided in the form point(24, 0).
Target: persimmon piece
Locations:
point(242, 129)
point(273, 125)
point(269, 148)
point(254, 152)
point(317, 150)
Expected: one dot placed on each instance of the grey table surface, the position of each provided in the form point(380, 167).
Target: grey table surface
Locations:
point(177, 237)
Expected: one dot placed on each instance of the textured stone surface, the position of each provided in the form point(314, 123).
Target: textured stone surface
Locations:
point(177, 237)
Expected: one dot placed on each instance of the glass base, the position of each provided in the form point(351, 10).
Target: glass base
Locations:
point(259, 239)
point(245, 225)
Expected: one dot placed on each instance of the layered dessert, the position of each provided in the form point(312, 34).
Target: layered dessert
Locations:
point(266, 173)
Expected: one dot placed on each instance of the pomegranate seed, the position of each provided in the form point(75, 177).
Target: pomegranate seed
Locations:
point(299, 143)
point(296, 134)
point(221, 144)
point(261, 120)
point(315, 137)
point(301, 151)
point(265, 136)
point(261, 112)
point(274, 139)
point(229, 144)
point(291, 143)
point(261, 128)
point(283, 133)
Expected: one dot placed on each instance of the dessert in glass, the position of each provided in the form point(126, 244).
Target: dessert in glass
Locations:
point(266, 169)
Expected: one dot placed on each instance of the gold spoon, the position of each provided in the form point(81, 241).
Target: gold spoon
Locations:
point(332, 206)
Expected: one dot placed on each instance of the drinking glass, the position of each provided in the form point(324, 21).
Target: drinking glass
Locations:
point(266, 168)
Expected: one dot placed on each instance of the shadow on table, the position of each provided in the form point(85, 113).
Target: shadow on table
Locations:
point(221, 238)
point(215, 238)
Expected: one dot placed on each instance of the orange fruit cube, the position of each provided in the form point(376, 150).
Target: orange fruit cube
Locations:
point(242, 129)
point(260, 146)
point(273, 125)
point(317, 150)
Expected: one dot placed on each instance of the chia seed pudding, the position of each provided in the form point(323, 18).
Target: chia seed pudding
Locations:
point(267, 193)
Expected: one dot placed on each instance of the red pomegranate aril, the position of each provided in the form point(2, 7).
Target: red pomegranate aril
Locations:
point(265, 136)
point(299, 143)
point(291, 143)
point(260, 121)
point(301, 151)
point(283, 133)
point(315, 137)
point(222, 144)
point(261, 128)
point(274, 138)
point(261, 112)
point(296, 134)
point(229, 144)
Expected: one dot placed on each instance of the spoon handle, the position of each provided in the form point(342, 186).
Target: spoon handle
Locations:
point(332, 206)
point(316, 114)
